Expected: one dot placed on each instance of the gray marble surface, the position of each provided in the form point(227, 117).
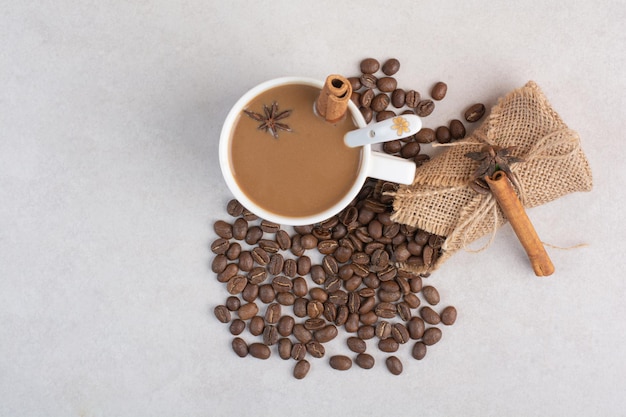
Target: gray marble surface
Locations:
point(110, 114)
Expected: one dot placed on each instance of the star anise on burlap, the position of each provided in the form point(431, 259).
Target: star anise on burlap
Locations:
point(492, 158)
point(269, 120)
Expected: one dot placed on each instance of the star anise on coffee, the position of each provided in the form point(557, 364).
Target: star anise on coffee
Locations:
point(270, 119)
point(492, 158)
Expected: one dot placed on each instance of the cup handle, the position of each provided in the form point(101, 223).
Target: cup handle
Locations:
point(391, 168)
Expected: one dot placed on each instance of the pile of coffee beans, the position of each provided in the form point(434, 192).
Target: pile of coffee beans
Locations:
point(379, 97)
point(294, 292)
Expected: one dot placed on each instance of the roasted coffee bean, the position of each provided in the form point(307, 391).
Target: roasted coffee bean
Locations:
point(419, 350)
point(365, 360)
point(411, 300)
point(403, 284)
point(393, 146)
point(366, 332)
point(340, 362)
point(246, 262)
point(296, 245)
point(237, 326)
point(301, 333)
point(285, 325)
point(457, 130)
point(388, 273)
point(475, 112)
point(394, 365)
point(371, 280)
point(384, 115)
point(329, 223)
point(428, 254)
point(400, 333)
point(314, 309)
point(416, 284)
point(414, 248)
point(298, 351)
point(368, 318)
point(290, 268)
point(352, 283)
point(421, 237)
point(300, 287)
point(369, 66)
point(342, 316)
point(380, 102)
point(240, 229)
point(356, 345)
point(429, 315)
point(260, 256)
point(420, 159)
point(220, 246)
point(283, 239)
point(330, 265)
point(404, 310)
point(248, 215)
point(308, 241)
point(398, 98)
point(326, 334)
point(284, 348)
point(389, 296)
point(424, 108)
point(354, 302)
point(369, 80)
point(282, 283)
point(355, 83)
point(401, 253)
point(439, 91)
point(301, 369)
point(391, 66)
point(240, 347)
point(222, 313)
point(442, 133)
point(431, 295)
point(318, 294)
point(253, 235)
point(267, 294)
point(355, 97)
point(299, 307)
point(416, 328)
point(380, 258)
point(286, 298)
point(338, 297)
point(387, 85)
point(360, 258)
point(250, 292)
point(259, 351)
point(236, 284)
point(330, 311)
point(332, 284)
point(219, 263)
point(269, 246)
point(269, 227)
point(234, 208)
point(233, 303)
point(270, 335)
point(304, 265)
point(352, 323)
point(314, 323)
point(247, 311)
point(410, 150)
point(383, 329)
point(390, 286)
point(388, 345)
point(276, 264)
point(366, 98)
point(272, 313)
point(425, 135)
point(412, 98)
point(223, 229)
point(318, 275)
point(303, 229)
point(327, 247)
point(431, 336)
point(367, 304)
point(256, 325)
point(233, 252)
point(448, 315)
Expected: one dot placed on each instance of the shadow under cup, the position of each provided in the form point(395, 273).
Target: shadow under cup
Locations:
point(304, 173)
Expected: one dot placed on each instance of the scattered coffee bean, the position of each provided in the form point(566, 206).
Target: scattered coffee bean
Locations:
point(424, 108)
point(474, 113)
point(431, 295)
point(223, 229)
point(429, 315)
point(442, 133)
point(419, 350)
point(439, 91)
point(388, 345)
point(387, 85)
point(400, 333)
point(301, 369)
point(431, 336)
point(234, 208)
point(220, 246)
point(412, 98)
point(369, 66)
point(240, 347)
point(315, 349)
point(380, 102)
point(425, 135)
point(259, 350)
point(416, 328)
point(356, 345)
point(369, 80)
point(448, 315)
point(284, 348)
point(384, 115)
point(222, 313)
point(394, 365)
point(365, 360)
point(270, 335)
point(391, 66)
point(247, 311)
point(398, 97)
point(298, 351)
point(457, 130)
point(340, 362)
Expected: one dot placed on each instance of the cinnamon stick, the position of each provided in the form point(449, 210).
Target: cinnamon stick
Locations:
point(504, 193)
point(332, 103)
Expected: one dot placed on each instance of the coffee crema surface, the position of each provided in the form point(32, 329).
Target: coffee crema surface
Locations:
point(302, 172)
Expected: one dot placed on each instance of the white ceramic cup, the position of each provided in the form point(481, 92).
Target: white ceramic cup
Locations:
point(373, 164)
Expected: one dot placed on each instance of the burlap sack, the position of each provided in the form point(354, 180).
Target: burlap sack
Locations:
point(440, 200)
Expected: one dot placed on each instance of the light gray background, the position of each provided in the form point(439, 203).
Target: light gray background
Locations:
point(110, 113)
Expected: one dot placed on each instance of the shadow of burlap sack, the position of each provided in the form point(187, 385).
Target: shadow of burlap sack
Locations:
point(440, 201)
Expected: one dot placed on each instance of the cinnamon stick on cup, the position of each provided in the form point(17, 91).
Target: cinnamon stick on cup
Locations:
point(332, 103)
point(502, 190)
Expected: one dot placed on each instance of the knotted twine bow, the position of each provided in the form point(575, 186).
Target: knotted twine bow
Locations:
point(440, 200)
